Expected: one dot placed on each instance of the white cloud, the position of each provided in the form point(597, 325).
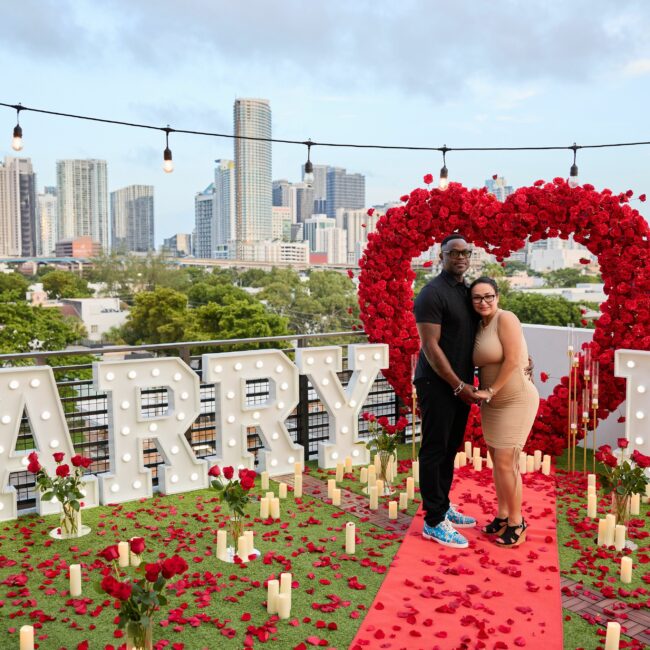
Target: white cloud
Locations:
point(637, 68)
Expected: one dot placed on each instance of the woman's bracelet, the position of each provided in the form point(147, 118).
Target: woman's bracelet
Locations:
point(459, 388)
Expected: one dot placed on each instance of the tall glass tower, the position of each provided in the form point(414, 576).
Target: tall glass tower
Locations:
point(253, 195)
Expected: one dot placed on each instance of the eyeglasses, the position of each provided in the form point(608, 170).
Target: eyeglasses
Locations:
point(456, 254)
point(489, 299)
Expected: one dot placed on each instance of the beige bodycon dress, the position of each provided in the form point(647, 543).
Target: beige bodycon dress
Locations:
point(508, 418)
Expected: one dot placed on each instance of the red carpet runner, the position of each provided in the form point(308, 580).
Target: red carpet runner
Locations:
point(438, 598)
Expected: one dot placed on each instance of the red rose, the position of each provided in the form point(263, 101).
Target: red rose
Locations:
point(228, 472)
point(640, 459)
point(58, 456)
point(623, 443)
point(428, 179)
point(34, 466)
point(543, 376)
point(81, 461)
point(382, 421)
point(122, 591)
point(151, 572)
point(371, 211)
point(641, 197)
point(63, 471)
point(402, 423)
point(215, 471)
point(247, 482)
point(110, 553)
point(137, 545)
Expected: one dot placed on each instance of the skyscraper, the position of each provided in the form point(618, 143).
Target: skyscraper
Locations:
point(344, 190)
point(204, 223)
point(252, 119)
point(499, 188)
point(17, 207)
point(83, 200)
point(46, 222)
point(132, 219)
point(224, 208)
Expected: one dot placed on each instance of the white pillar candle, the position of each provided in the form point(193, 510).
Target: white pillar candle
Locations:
point(468, 449)
point(75, 580)
point(283, 605)
point(522, 463)
point(537, 457)
point(380, 487)
point(392, 510)
point(613, 637)
point(403, 500)
point(272, 593)
point(410, 488)
point(275, 508)
point(348, 463)
point(416, 471)
point(339, 472)
point(26, 637)
point(372, 493)
point(591, 506)
point(350, 534)
point(264, 480)
point(331, 485)
point(488, 461)
point(602, 532)
point(457, 461)
point(462, 459)
point(609, 532)
point(377, 462)
point(336, 497)
point(476, 452)
point(530, 464)
point(285, 583)
point(298, 467)
point(134, 559)
point(270, 495)
point(250, 542)
point(222, 540)
point(591, 480)
point(123, 550)
point(591, 490)
point(264, 508)
point(372, 475)
point(626, 570)
point(635, 504)
point(619, 537)
point(546, 465)
point(297, 486)
point(242, 548)
point(363, 475)
point(282, 490)
point(477, 462)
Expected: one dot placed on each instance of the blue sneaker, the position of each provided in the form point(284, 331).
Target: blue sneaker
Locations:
point(459, 520)
point(444, 533)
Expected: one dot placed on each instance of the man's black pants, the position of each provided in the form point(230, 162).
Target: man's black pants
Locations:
point(444, 418)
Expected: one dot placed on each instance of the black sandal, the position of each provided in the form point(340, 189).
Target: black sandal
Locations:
point(511, 537)
point(496, 526)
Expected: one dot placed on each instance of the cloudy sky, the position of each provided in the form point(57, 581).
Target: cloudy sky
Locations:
point(414, 72)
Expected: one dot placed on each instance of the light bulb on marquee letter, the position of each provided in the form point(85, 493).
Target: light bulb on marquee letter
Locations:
point(634, 365)
point(342, 404)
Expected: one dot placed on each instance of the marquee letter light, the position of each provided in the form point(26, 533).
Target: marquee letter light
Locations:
point(124, 383)
point(33, 390)
point(230, 371)
point(343, 404)
point(634, 365)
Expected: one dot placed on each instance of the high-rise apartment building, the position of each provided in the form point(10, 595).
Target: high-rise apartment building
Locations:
point(178, 245)
point(224, 208)
point(82, 190)
point(204, 227)
point(18, 207)
point(132, 219)
point(344, 190)
point(253, 197)
point(314, 231)
point(499, 187)
point(46, 223)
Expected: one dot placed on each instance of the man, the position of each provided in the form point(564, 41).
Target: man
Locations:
point(444, 380)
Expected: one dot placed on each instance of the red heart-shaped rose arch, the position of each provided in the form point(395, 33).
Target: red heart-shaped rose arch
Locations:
point(602, 221)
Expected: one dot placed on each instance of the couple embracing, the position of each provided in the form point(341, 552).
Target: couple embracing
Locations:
point(461, 327)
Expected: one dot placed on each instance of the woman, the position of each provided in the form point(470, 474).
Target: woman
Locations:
point(509, 402)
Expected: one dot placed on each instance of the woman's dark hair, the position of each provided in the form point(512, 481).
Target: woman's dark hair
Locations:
point(485, 280)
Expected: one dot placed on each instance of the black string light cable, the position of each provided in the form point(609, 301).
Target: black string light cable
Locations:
point(573, 177)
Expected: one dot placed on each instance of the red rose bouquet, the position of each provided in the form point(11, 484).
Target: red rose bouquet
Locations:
point(234, 492)
point(66, 486)
point(141, 596)
point(383, 441)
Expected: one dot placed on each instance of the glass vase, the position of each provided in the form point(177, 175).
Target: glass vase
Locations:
point(621, 507)
point(235, 530)
point(70, 521)
point(385, 473)
point(139, 635)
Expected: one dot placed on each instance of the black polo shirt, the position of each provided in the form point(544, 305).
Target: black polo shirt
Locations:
point(444, 301)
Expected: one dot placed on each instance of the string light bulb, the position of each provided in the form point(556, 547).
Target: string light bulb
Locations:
point(444, 172)
point(17, 141)
point(308, 176)
point(573, 173)
point(168, 163)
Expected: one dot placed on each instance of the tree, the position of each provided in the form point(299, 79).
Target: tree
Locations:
point(204, 292)
point(65, 284)
point(534, 308)
point(569, 277)
point(13, 287)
